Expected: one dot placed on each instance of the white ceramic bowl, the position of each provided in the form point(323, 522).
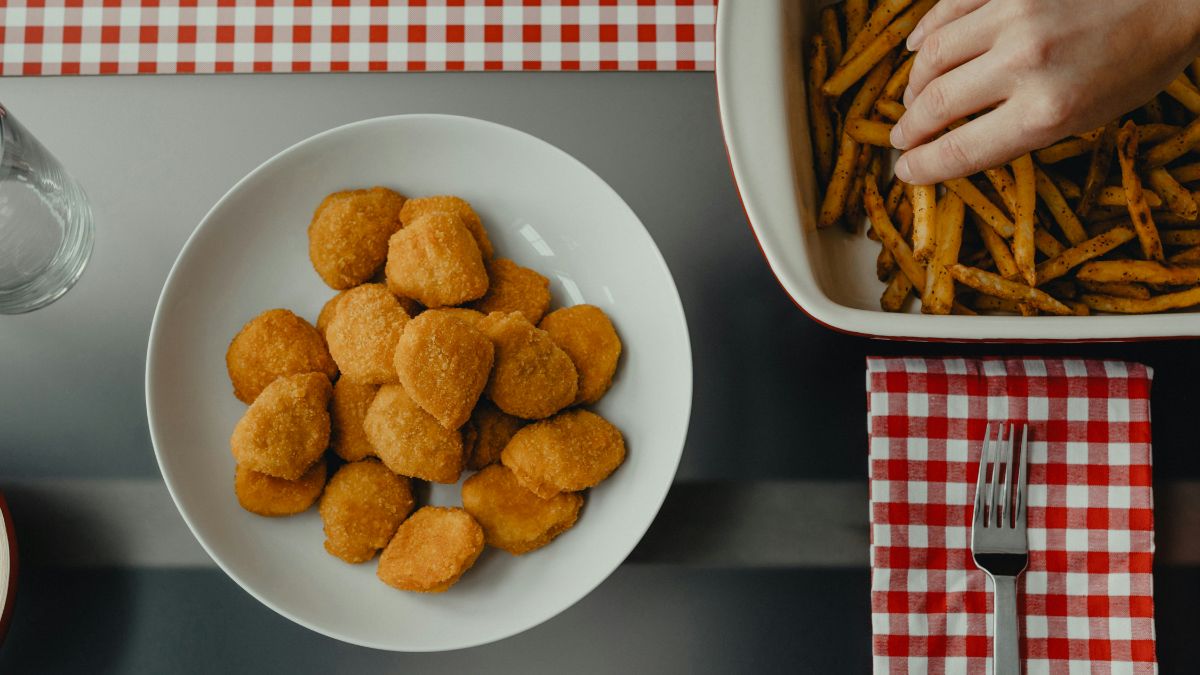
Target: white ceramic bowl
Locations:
point(542, 208)
point(831, 274)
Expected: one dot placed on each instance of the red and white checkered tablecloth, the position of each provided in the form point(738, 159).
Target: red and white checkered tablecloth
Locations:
point(39, 37)
point(1086, 601)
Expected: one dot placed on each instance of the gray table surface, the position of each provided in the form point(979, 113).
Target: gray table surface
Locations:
point(758, 560)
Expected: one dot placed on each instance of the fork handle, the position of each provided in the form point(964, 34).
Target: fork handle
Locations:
point(1006, 652)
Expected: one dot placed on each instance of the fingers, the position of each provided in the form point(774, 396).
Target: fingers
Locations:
point(990, 140)
point(963, 91)
point(942, 13)
point(949, 47)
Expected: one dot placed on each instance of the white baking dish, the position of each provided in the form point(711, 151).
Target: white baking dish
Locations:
point(831, 274)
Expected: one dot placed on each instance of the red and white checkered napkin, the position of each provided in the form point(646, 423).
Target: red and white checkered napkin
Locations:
point(1086, 601)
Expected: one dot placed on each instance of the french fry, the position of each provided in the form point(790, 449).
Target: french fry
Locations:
point(870, 132)
point(1071, 147)
point(1083, 252)
point(898, 82)
point(1143, 271)
point(1139, 210)
point(1174, 147)
point(939, 285)
point(1188, 256)
point(1159, 303)
point(889, 109)
point(856, 17)
point(1046, 244)
point(884, 262)
point(924, 201)
point(818, 107)
point(1115, 196)
point(991, 284)
point(832, 32)
point(1177, 198)
point(962, 310)
point(1181, 89)
point(890, 237)
point(898, 290)
point(1153, 110)
point(1117, 289)
point(997, 248)
point(1181, 238)
point(1062, 289)
point(1069, 188)
point(1188, 173)
point(1067, 221)
point(880, 17)
point(1080, 308)
point(1098, 169)
point(895, 195)
point(990, 303)
point(981, 205)
point(1023, 217)
point(856, 68)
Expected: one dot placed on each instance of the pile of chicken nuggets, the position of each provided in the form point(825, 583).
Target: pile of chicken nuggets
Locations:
point(435, 358)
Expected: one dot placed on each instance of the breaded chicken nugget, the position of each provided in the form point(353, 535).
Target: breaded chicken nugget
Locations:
point(271, 345)
point(347, 239)
point(444, 363)
point(328, 311)
point(409, 440)
point(588, 337)
point(471, 316)
point(512, 288)
point(364, 333)
point(286, 429)
point(567, 453)
point(346, 414)
point(270, 496)
point(435, 261)
point(512, 517)
point(486, 434)
point(419, 206)
point(431, 550)
point(362, 506)
point(532, 378)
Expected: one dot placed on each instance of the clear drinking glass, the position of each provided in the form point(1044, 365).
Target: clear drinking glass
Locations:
point(45, 223)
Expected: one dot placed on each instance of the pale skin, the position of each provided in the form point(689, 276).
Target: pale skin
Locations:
point(1037, 70)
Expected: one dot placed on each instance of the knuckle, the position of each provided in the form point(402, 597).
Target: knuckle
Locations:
point(936, 102)
point(1050, 112)
point(954, 156)
point(933, 50)
point(1033, 53)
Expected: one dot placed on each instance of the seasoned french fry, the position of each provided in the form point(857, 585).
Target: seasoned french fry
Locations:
point(895, 195)
point(1067, 221)
point(1071, 147)
point(980, 204)
point(1188, 256)
point(1046, 244)
point(856, 17)
point(996, 246)
point(818, 107)
point(870, 132)
point(1187, 173)
point(962, 310)
point(1160, 303)
point(1115, 196)
point(885, 263)
point(1153, 110)
point(1069, 188)
point(898, 290)
point(1026, 201)
point(924, 201)
point(1177, 198)
point(1117, 289)
point(1098, 169)
point(991, 284)
point(1139, 210)
point(1083, 252)
point(1063, 289)
point(890, 237)
point(1174, 147)
point(1080, 308)
point(1144, 271)
point(1181, 89)
point(856, 68)
point(898, 82)
point(882, 15)
point(990, 303)
point(939, 285)
point(889, 109)
point(832, 32)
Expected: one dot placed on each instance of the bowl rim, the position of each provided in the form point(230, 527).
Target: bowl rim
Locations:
point(801, 284)
point(169, 288)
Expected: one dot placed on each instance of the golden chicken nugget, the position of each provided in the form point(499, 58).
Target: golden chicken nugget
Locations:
point(286, 429)
point(470, 316)
point(347, 239)
point(270, 496)
point(567, 453)
point(419, 206)
point(362, 506)
point(364, 333)
point(588, 337)
point(490, 429)
point(431, 550)
point(409, 440)
point(346, 414)
point(271, 345)
point(532, 377)
point(328, 311)
point(512, 288)
point(512, 517)
point(444, 363)
point(435, 261)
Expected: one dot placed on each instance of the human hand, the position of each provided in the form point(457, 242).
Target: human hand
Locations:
point(1050, 68)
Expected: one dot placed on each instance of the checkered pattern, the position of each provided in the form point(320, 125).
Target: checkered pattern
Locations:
point(1086, 601)
point(105, 36)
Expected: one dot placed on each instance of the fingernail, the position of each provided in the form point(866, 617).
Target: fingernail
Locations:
point(897, 138)
point(915, 37)
point(901, 169)
point(908, 96)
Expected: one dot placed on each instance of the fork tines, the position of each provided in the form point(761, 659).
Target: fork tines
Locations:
point(1004, 509)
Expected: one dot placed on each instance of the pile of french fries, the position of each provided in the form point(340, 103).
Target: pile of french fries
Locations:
point(1064, 230)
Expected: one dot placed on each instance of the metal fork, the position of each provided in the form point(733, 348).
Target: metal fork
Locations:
point(998, 541)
